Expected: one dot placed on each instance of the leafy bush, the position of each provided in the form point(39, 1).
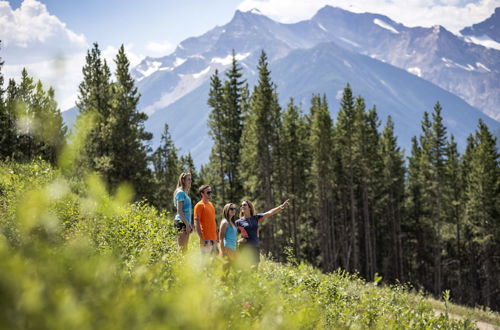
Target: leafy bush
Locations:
point(89, 260)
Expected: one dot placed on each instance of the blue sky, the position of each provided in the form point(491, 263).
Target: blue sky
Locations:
point(112, 22)
point(50, 37)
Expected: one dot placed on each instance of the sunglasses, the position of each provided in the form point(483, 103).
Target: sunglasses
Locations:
point(208, 192)
point(232, 209)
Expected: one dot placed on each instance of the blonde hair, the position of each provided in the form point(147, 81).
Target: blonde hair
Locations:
point(252, 210)
point(225, 212)
point(181, 183)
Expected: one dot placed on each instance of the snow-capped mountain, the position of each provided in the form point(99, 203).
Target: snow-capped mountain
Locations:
point(435, 54)
point(486, 32)
point(466, 69)
point(403, 71)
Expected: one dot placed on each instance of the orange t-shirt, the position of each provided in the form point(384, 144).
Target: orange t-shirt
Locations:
point(205, 213)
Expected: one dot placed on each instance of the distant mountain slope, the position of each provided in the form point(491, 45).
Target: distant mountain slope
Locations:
point(468, 70)
point(489, 28)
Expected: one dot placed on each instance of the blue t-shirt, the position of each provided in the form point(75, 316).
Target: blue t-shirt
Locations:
point(249, 228)
point(230, 237)
point(181, 196)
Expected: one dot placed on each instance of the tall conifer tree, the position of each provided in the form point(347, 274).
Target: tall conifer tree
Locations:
point(260, 145)
point(233, 89)
point(217, 121)
point(297, 227)
point(347, 134)
point(322, 202)
point(95, 98)
point(7, 120)
point(128, 148)
point(166, 167)
point(482, 213)
point(391, 205)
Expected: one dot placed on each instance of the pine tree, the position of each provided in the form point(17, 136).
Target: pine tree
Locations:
point(297, 229)
point(436, 190)
point(453, 229)
point(166, 167)
point(49, 130)
point(391, 205)
point(260, 145)
point(428, 175)
point(348, 126)
point(95, 98)
point(25, 117)
point(232, 95)
point(226, 124)
point(321, 144)
point(370, 184)
point(260, 137)
point(482, 213)
point(34, 125)
point(128, 137)
point(7, 119)
point(9, 141)
point(217, 125)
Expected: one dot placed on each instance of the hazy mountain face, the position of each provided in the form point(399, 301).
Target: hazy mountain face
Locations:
point(403, 71)
point(490, 28)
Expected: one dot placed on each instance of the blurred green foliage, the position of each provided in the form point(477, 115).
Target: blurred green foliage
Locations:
point(82, 259)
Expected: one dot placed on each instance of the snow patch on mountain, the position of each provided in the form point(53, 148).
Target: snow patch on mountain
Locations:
point(229, 58)
point(179, 61)
point(350, 42)
point(201, 73)
point(415, 70)
point(483, 41)
point(151, 67)
point(449, 63)
point(186, 85)
point(255, 11)
point(482, 66)
point(385, 25)
point(322, 27)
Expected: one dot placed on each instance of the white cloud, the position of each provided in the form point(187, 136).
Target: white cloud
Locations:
point(31, 34)
point(34, 39)
point(452, 14)
point(109, 53)
point(159, 48)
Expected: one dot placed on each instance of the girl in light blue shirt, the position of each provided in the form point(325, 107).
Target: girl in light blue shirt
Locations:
point(182, 202)
point(227, 232)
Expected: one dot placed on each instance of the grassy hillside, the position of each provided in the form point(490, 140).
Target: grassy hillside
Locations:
point(73, 257)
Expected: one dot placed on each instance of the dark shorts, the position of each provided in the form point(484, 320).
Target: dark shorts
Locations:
point(180, 226)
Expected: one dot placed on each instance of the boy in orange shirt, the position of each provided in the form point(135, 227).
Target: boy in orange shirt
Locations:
point(204, 221)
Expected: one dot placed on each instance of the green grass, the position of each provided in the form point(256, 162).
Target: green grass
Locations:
point(479, 314)
point(74, 257)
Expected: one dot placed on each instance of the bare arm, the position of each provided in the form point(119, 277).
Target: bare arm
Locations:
point(275, 210)
point(189, 228)
point(222, 234)
point(198, 229)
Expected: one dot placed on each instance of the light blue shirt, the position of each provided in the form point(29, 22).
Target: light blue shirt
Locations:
point(181, 196)
point(230, 237)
